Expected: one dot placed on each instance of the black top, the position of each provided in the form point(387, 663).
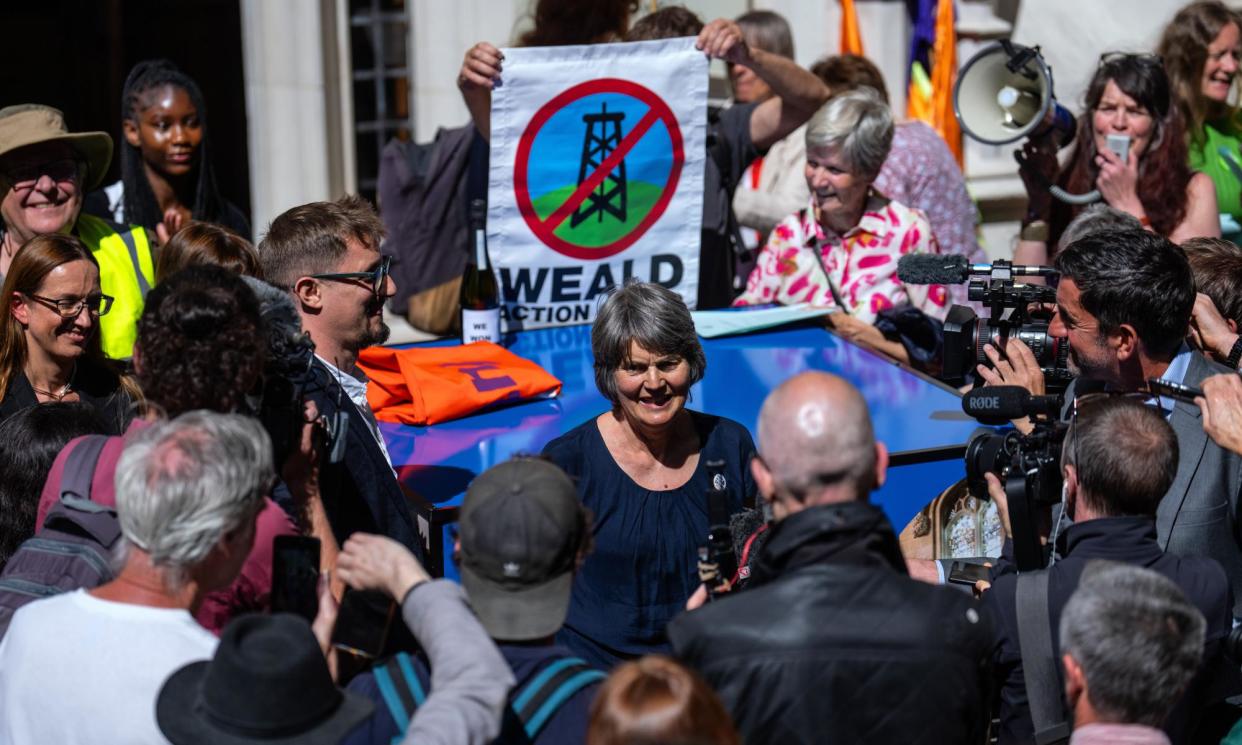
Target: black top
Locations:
point(231, 216)
point(729, 151)
point(1128, 540)
point(644, 566)
point(97, 387)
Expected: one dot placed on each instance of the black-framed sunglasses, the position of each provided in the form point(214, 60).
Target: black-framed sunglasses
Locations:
point(97, 305)
point(1144, 58)
point(25, 176)
point(378, 276)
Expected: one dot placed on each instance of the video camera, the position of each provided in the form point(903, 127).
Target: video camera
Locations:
point(1009, 303)
point(1028, 465)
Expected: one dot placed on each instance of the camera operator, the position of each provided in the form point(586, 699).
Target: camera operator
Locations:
point(1124, 303)
point(1118, 459)
point(829, 603)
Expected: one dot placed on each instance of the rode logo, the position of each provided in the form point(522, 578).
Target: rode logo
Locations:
point(986, 403)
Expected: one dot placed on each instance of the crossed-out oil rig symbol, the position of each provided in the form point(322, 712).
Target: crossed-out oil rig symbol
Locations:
point(603, 134)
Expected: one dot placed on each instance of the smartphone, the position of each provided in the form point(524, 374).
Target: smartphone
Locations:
point(963, 573)
point(295, 576)
point(1119, 144)
point(362, 622)
point(1175, 391)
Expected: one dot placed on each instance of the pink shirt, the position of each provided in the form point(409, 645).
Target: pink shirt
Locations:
point(251, 591)
point(862, 264)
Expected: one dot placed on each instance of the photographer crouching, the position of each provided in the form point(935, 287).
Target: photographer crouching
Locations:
point(1118, 459)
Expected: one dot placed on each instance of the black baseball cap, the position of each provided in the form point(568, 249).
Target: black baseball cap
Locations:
point(520, 530)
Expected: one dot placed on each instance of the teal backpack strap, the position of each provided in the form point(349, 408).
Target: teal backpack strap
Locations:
point(401, 690)
point(536, 701)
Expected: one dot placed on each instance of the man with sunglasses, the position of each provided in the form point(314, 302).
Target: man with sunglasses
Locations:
point(1119, 458)
point(326, 254)
point(45, 170)
point(831, 641)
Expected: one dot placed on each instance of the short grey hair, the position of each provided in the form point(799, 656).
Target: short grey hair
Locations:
point(652, 315)
point(1097, 218)
point(1137, 639)
point(860, 124)
point(767, 30)
point(184, 483)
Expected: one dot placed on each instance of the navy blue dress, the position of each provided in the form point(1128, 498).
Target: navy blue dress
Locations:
point(644, 566)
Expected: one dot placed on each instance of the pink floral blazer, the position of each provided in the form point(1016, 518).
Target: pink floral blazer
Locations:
point(862, 264)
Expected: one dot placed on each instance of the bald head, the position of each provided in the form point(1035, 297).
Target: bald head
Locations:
point(816, 441)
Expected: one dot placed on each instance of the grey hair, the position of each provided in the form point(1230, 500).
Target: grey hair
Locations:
point(1097, 218)
point(815, 432)
point(650, 314)
point(860, 124)
point(184, 483)
point(1137, 639)
point(767, 30)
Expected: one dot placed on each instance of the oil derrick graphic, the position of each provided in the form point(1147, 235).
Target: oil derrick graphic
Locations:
point(603, 134)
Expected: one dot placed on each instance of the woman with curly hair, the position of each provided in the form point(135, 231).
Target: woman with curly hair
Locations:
point(166, 173)
point(1128, 96)
point(1201, 48)
point(49, 336)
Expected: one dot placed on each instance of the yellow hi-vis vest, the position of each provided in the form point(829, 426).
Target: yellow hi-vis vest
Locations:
point(126, 272)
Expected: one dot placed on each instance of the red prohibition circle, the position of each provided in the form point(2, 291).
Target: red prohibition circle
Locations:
point(540, 228)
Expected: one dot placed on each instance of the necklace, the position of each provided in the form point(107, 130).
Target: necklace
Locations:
point(65, 390)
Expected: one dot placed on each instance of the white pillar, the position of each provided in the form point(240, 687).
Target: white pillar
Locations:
point(286, 106)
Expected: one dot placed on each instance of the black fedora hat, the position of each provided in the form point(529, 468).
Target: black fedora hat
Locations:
point(268, 683)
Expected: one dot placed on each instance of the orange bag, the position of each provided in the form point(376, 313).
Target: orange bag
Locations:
point(427, 385)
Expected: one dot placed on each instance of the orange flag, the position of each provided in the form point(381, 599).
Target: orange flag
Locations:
point(944, 74)
point(851, 39)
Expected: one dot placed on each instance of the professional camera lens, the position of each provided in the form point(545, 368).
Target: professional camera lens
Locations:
point(988, 452)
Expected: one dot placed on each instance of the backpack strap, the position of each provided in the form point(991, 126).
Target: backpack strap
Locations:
point(401, 689)
point(537, 700)
point(1039, 660)
point(75, 480)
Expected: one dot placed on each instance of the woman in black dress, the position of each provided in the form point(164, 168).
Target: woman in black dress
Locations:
point(641, 468)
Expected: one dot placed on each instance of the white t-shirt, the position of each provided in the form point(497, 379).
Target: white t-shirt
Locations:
point(77, 669)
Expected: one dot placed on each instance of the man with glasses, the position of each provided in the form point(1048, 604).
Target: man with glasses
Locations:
point(831, 641)
point(326, 254)
point(1119, 458)
point(44, 173)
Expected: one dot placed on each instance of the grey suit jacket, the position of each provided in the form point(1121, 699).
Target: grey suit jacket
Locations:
point(1198, 516)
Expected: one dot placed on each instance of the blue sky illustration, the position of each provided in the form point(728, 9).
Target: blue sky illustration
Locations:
point(557, 150)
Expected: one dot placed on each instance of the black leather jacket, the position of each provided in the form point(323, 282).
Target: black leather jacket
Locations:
point(832, 642)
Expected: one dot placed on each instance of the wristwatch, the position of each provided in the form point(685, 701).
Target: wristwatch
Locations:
point(1235, 355)
point(1036, 230)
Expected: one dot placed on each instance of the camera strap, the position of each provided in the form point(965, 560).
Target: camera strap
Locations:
point(1039, 660)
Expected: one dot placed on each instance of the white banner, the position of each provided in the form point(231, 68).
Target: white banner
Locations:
point(596, 175)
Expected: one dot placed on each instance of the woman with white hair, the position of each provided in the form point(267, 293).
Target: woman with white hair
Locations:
point(842, 249)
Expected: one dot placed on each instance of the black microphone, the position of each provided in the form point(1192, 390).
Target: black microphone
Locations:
point(997, 404)
point(954, 269)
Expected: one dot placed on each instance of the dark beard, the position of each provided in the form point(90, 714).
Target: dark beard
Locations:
point(379, 337)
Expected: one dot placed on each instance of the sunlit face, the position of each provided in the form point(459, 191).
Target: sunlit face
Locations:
point(652, 387)
point(42, 190)
point(168, 131)
point(1089, 353)
point(747, 86)
point(834, 185)
point(352, 305)
point(1222, 64)
point(1119, 114)
point(59, 338)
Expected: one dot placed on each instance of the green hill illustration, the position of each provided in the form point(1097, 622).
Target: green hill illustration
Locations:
point(599, 229)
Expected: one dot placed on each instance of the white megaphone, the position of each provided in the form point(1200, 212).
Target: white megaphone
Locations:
point(1004, 94)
